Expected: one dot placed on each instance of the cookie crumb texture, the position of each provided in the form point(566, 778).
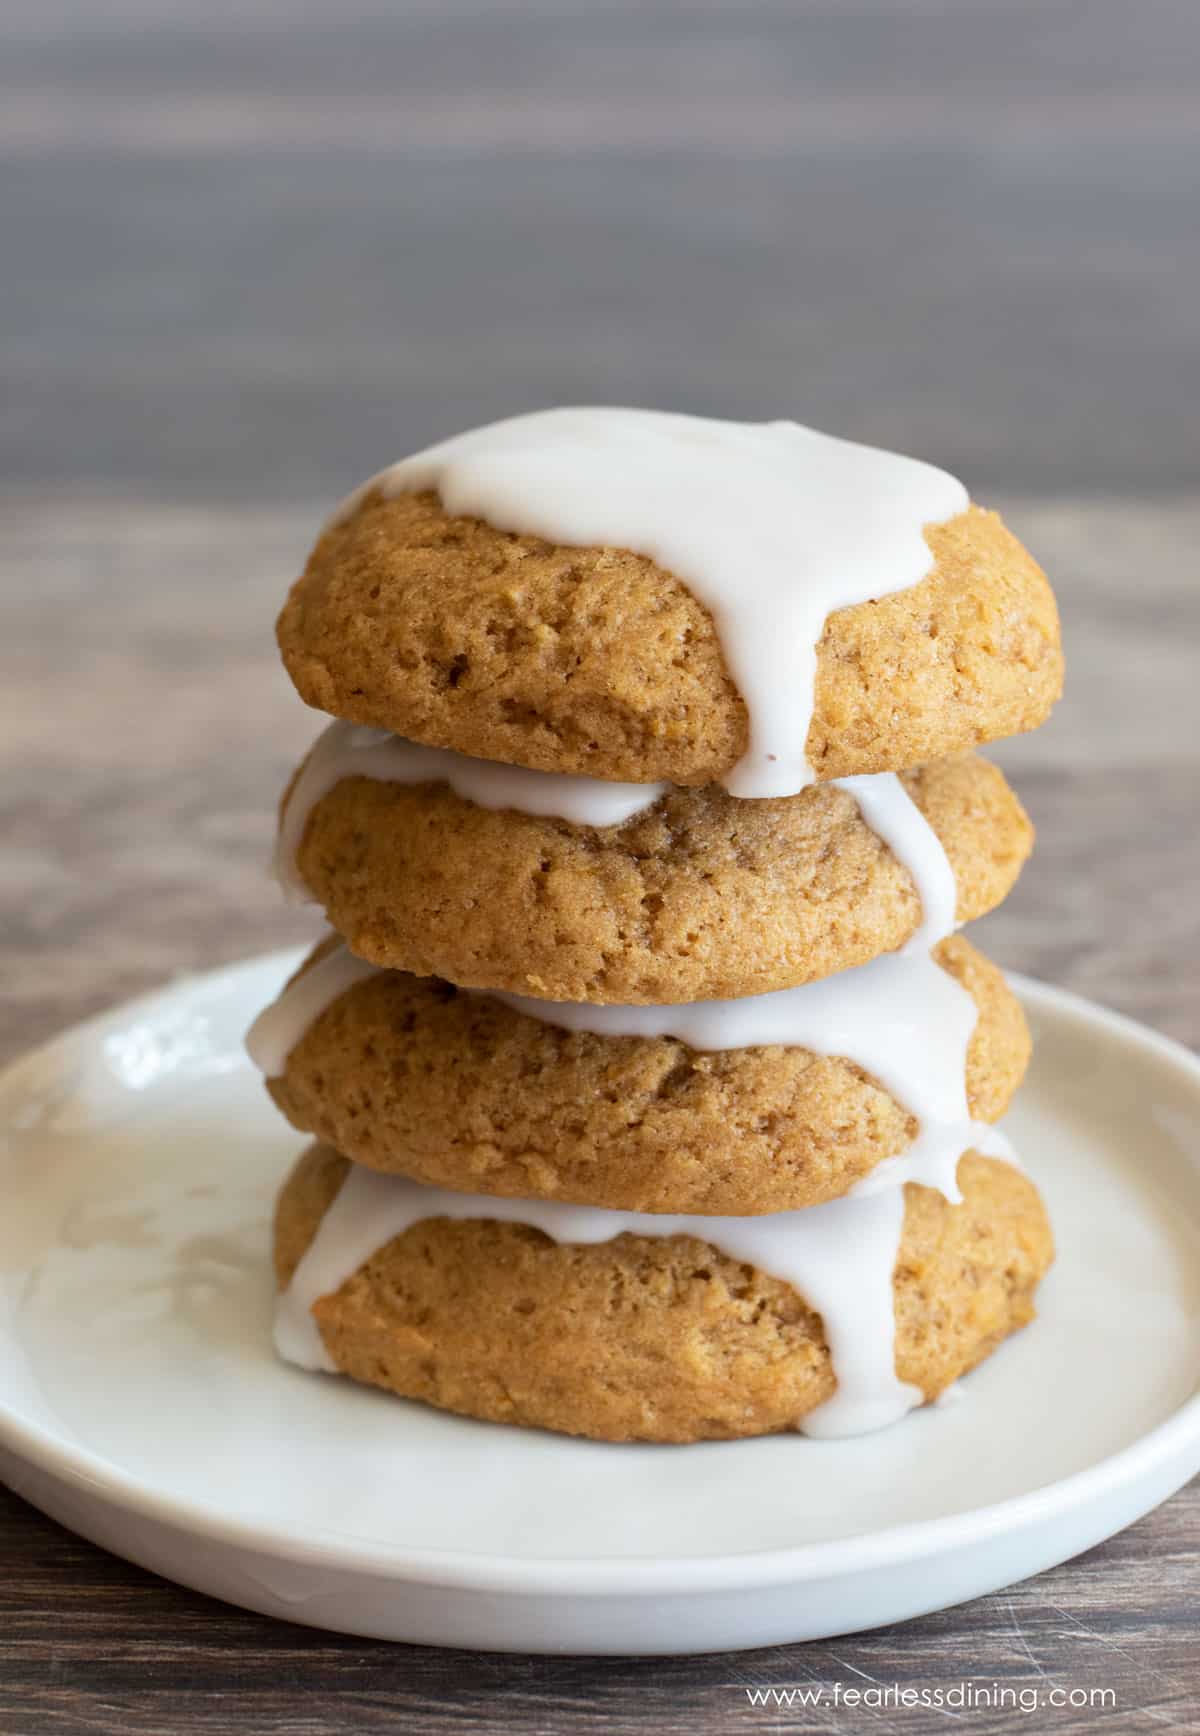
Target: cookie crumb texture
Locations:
point(597, 661)
point(411, 1077)
point(641, 1339)
point(702, 897)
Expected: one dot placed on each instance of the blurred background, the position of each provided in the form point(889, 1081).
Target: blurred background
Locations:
point(255, 249)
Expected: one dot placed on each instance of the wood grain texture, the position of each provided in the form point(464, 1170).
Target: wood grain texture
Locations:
point(254, 251)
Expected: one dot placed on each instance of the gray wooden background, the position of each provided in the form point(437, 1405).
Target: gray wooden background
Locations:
point(251, 251)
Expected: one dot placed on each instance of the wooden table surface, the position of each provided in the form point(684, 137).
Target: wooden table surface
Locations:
point(249, 258)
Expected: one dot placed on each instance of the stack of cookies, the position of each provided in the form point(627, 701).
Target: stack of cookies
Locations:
point(653, 1087)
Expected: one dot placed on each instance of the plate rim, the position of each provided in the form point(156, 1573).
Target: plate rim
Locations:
point(99, 1478)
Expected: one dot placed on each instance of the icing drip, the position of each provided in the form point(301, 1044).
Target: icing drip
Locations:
point(891, 813)
point(279, 1027)
point(772, 526)
point(840, 1257)
point(348, 750)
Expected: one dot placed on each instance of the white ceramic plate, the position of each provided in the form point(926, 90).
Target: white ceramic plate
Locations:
point(140, 1402)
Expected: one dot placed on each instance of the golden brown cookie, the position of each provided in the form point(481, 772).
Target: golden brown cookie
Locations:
point(409, 1076)
point(596, 661)
point(653, 1339)
point(701, 897)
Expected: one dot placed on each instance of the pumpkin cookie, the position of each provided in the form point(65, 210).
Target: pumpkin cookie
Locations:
point(700, 897)
point(597, 661)
point(411, 1076)
point(653, 1338)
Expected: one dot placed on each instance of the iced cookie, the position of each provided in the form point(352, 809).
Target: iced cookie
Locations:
point(654, 1337)
point(696, 896)
point(805, 618)
point(466, 1091)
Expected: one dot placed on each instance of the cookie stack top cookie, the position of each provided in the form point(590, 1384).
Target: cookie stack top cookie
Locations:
point(645, 821)
point(639, 596)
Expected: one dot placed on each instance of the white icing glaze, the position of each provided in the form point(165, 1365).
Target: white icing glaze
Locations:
point(771, 525)
point(279, 1027)
point(349, 750)
point(891, 813)
point(840, 1257)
